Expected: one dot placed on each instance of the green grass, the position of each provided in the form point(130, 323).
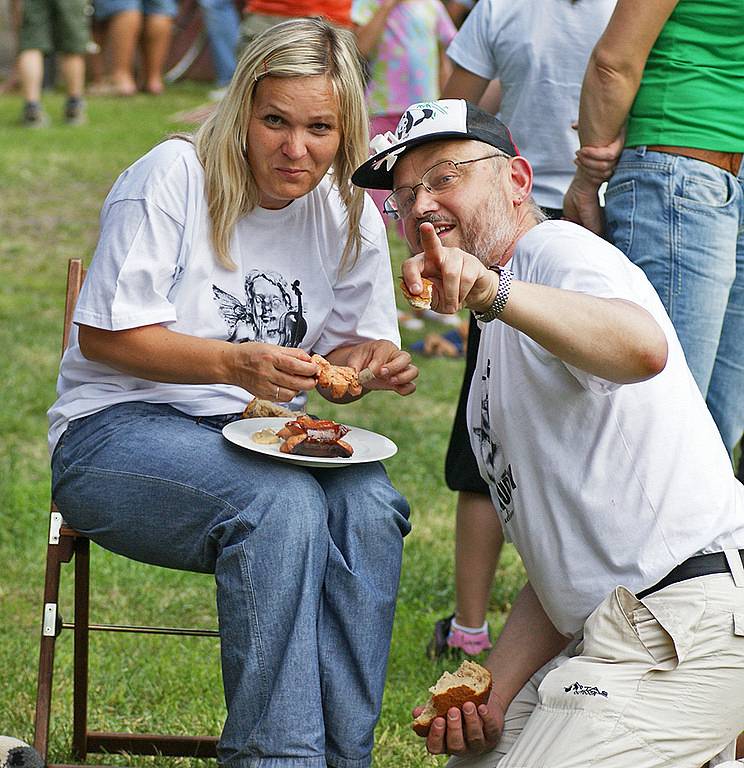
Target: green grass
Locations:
point(52, 184)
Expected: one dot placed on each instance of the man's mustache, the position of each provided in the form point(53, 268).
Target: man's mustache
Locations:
point(432, 218)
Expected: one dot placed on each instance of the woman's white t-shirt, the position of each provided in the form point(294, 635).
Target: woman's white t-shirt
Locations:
point(154, 263)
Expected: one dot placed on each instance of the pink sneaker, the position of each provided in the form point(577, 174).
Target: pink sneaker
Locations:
point(470, 644)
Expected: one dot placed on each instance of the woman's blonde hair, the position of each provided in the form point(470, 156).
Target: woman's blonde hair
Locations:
point(296, 48)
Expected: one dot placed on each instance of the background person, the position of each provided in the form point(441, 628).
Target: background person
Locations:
point(667, 80)
point(222, 22)
point(537, 53)
point(403, 42)
point(52, 26)
point(580, 417)
point(260, 15)
point(306, 561)
point(129, 23)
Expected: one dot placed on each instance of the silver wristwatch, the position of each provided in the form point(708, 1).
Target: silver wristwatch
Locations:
point(502, 295)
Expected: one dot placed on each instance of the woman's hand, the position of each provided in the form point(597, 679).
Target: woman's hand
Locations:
point(472, 731)
point(271, 372)
point(392, 367)
point(156, 353)
point(598, 162)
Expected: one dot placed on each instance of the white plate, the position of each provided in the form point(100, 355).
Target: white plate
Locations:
point(368, 446)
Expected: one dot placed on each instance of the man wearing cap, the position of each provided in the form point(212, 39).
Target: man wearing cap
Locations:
point(603, 463)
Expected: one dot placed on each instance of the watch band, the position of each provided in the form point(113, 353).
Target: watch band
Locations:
point(502, 296)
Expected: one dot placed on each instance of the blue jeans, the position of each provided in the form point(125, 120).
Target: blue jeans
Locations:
point(682, 222)
point(222, 22)
point(306, 564)
point(105, 9)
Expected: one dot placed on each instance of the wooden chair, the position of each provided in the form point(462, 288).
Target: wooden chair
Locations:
point(65, 543)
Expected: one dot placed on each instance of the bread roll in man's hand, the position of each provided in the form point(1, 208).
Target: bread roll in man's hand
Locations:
point(470, 682)
point(418, 300)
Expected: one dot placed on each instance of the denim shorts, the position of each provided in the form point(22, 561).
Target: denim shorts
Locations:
point(104, 9)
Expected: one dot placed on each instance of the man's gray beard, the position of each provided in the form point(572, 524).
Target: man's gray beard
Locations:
point(489, 233)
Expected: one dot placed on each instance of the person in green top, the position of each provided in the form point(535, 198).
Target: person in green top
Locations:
point(665, 87)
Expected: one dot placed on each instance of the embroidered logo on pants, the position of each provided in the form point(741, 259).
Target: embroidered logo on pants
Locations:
point(584, 690)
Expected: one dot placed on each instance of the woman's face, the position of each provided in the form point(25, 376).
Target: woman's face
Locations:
point(293, 136)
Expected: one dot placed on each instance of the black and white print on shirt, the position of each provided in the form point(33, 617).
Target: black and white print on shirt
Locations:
point(490, 450)
point(272, 312)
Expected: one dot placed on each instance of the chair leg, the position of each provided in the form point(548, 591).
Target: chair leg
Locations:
point(58, 551)
point(81, 642)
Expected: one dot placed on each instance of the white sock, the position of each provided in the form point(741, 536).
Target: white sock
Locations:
point(470, 630)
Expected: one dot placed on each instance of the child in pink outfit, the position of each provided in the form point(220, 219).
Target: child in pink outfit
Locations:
point(403, 42)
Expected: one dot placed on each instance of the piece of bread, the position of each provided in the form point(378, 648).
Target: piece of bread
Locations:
point(340, 379)
point(470, 682)
point(418, 300)
point(257, 409)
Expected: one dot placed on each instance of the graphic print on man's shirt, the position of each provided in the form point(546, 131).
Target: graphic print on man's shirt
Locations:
point(491, 452)
point(272, 312)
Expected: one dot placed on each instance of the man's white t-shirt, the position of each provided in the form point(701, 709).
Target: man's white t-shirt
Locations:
point(538, 51)
point(597, 484)
point(154, 263)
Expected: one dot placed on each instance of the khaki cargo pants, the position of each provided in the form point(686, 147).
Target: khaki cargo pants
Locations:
point(657, 683)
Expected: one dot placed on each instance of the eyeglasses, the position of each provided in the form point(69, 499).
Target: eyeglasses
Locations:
point(438, 180)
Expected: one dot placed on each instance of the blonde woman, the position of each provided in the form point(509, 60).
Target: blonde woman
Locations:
point(251, 231)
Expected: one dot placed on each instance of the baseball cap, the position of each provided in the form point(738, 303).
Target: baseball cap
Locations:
point(430, 121)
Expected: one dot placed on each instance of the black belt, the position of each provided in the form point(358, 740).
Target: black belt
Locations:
point(700, 565)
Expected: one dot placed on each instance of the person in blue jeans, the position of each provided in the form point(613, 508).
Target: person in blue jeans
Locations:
point(167, 348)
point(675, 201)
point(222, 22)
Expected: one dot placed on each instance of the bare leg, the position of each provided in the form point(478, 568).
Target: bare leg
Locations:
point(31, 74)
point(123, 35)
point(156, 42)
point(96, 62)
point(73, 72)
point(478, 542)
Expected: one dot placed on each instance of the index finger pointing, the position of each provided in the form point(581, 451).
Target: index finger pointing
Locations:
point(430, 242)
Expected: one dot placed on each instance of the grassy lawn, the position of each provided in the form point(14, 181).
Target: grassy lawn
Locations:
point(52, 183)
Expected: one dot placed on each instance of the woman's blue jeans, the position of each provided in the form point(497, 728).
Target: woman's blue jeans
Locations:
point(306, 564)
point(682, 221)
